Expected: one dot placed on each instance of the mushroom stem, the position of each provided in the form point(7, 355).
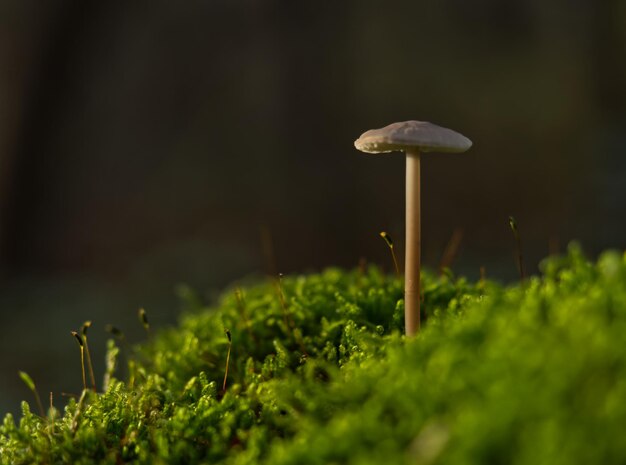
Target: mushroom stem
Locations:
point(413, 245)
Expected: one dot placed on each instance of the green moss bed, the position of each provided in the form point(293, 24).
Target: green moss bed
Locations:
point(320, 373)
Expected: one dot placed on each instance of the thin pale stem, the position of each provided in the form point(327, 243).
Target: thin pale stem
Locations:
point(395, 262)
point(520, 257)
point(413, 245)
point(90, 366)
point(42, 412)
point(82, 366)
point(51, 414)
point(226, 370)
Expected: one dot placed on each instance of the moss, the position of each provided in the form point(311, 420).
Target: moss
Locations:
point(320, 373)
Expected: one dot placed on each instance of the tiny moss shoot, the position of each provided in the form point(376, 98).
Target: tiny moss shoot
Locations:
point(230, 343)
point(110, 364)
point(85, 327)
point(114, 331)
point(518, 244)
point(28, 381)
point(283, 304)
point(143, 318)
point(118, 334)
point(387, 238)
point(81, 345)
point(78, 411)
point(51, 413)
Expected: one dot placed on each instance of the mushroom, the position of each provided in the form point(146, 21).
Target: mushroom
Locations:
point(413, 138)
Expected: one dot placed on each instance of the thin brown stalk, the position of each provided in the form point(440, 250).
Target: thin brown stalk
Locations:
point(289, 323)
point(81, 344)
point(230, 343)
point(518, 241)
point(92, 378)
point(51, 414)
point(143, 318)
point(387, 239)
point(451, 250)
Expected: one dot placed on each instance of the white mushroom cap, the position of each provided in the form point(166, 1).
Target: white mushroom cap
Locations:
point(417, 135)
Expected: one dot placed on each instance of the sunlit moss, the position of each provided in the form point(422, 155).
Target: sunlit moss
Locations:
point(531, 374)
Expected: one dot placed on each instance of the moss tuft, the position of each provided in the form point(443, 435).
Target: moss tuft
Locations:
point(529, 374)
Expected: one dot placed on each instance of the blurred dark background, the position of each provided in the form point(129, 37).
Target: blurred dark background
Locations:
point(146, 144)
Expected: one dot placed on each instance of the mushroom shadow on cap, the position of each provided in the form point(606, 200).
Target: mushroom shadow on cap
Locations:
point(419, 135)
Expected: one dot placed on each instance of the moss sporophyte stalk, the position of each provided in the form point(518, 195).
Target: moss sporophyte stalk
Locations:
point(526, 374)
